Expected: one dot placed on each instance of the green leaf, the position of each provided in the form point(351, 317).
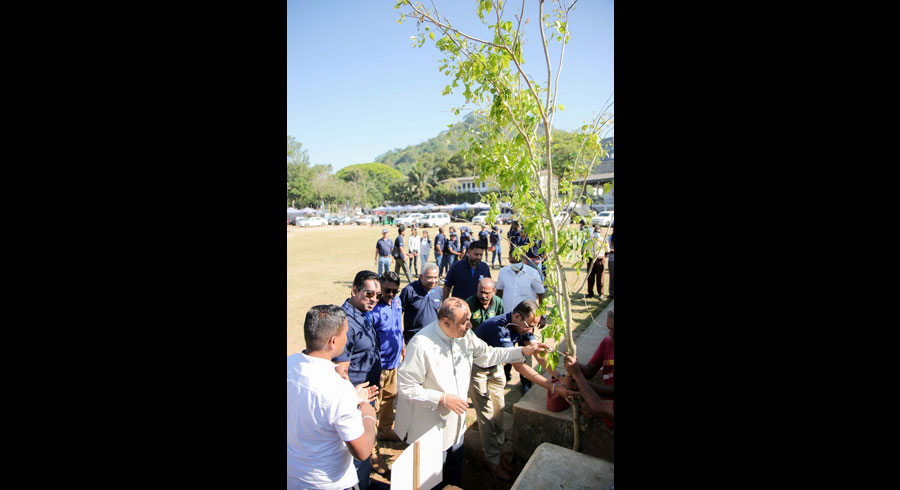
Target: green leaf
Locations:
point(431, 35)
point(560, 107)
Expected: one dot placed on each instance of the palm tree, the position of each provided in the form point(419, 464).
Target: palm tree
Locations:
point(420, 182)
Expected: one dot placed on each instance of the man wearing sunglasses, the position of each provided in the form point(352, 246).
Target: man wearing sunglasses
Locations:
point(387, 317)
point(360, 362)
point(488, 382)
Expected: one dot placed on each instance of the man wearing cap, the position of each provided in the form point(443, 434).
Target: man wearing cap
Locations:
point(495, 242)
point(464, 275)
point(400, 254)
point(465, 241)
point(451, 252)
point(383, 252)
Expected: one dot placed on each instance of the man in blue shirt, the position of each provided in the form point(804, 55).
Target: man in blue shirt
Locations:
point(360, 362)
point(483, 234)
point(451, 252)
point(387, 316)
point(464, 275)
point(439, 242)
point(400, 253)
point(495, 242)
point(383, 252)
point(488, 382)
point(421, 301)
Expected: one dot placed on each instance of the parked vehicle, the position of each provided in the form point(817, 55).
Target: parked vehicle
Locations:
point(561, 220)
point(315, 221)
point(479, 219)
point(603, 219)
point(364, 220)
point(298, 221)
point(409, 219)
point(434, 219)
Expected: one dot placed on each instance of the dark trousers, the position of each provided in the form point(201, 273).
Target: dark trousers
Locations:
point(452, 467)
point(363, 469)
point(414, 264)
point(595, 274)
point(401, 263)
point(612, 277)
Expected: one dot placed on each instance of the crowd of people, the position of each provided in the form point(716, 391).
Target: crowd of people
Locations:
point(407, 359)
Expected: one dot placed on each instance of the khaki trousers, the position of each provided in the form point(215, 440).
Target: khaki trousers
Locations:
point(486, 391)
point(384, 403)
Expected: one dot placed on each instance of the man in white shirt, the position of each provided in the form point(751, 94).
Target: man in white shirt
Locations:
point(515, 284)
point(433, 380)
point(413, 245)
point(329, 421)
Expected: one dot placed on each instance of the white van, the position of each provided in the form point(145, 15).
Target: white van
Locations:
point(434, 219)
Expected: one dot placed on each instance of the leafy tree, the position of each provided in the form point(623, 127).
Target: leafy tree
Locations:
point(299, 187)
point(512, 144)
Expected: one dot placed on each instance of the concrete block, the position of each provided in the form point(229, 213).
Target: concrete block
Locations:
point(558, 468)
point(533, 424)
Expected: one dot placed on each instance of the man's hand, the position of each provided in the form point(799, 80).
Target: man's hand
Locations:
point(455, 403)
point(565, 392)
point(366, 393)
point(402, 353)
point(366, 408)
point(571, 363)
point(535, 347)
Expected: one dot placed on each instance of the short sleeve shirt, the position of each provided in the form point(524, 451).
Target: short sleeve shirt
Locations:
point(497, 332)
point(322, 413)
point(479, 314)
point(604, 356)
point(482, 235)
point(384, 247)
point(388, 321)
point(398, 242)
point(495, 237)
point(419, 307)
point(439, 244)
point(362, 348)
point(517, 287)
point(452, 245)
point(464, 280)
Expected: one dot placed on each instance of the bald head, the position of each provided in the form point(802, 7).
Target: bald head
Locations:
point(454, 317)
point(486, 290)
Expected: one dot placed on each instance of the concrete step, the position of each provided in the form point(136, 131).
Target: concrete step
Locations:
point(559, 468)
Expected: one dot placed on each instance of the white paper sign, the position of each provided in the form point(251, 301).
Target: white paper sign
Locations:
point(431, 463)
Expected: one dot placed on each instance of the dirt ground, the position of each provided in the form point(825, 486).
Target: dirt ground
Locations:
point(321, 263)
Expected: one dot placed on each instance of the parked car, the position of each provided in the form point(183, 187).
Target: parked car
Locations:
point(409, 219)
point(298, 221)
point(364, 220)
point(561, 220)
point(479, 219)
point(434, 219)
point(315, 221)
point(603, 219)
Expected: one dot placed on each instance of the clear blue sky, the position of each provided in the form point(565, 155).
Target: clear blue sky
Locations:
point(356, 87)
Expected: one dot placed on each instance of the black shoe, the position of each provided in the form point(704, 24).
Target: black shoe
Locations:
point(589, 295)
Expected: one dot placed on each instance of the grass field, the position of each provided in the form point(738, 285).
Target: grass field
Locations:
point(321, 263)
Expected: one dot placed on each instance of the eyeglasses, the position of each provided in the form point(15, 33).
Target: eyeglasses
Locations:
point(372, 294)
point(390, 291)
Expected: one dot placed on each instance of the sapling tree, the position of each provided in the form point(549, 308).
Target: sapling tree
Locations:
point(512, 145)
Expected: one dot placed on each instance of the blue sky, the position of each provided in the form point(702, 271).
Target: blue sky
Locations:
point(356, 87)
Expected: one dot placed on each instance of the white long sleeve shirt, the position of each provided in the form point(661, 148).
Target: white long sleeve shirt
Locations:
point(436, 364)
point(414, 241)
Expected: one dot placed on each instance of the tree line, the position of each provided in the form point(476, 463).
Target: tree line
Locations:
point(410, 174)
